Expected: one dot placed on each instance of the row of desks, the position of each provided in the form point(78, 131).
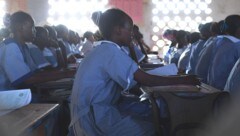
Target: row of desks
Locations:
point(28, 120)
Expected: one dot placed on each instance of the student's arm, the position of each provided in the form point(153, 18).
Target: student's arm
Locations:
point(45, 76)
point(152, 80)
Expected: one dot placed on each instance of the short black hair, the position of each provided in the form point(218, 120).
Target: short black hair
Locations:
point(19, 18)
point(110, 19)
point(87, 34)
point(231, 24)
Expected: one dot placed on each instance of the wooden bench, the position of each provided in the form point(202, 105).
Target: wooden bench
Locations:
point(28, 120)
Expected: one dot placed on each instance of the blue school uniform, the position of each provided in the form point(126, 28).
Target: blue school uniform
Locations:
point(37, 56)
point(101, 78)
point(196, 49)
point(140, 56)
point(203, 63)
point(175, 55)
point(225, 53)
point(48, 53)
point(232, 84)
point(16, 64)
point(184, 58)
point(168, 54)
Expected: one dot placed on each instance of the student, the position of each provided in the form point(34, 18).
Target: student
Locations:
point(203, 63)
point(103, 75)
point(232, 84)
point(42, 41)
point(185, 56)
point(225, 53)
point(17, 67)
point(181, 39)
point(171, 36)
point(54, 46)
point(197, 48)
point(88, 44)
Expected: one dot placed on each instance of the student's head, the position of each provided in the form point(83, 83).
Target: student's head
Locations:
point(215, 29)
point(52, 32)
point(170, 34)
point(137, 35)
point(115, 25)
point(96, 17)
point(89, 36)
point(232, 25)
point(72, 37)
point(22, 26)
point(194, 37)
point(181, 38)
point(62, 32)
point(42, 37)
point(205, 30)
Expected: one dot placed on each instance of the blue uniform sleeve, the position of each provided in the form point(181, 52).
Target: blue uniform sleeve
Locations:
point(14, 65)
point(121, 68)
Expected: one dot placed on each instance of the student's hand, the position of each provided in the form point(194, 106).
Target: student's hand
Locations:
point(191, 80)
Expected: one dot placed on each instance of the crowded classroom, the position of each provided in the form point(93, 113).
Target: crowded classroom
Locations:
point(119, 68)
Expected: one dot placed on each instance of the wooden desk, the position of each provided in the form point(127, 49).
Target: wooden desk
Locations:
point(21, 121)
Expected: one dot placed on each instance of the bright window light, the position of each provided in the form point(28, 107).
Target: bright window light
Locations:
point(154, 38)
point(2, 12)
point(177, 18)
point(155, 48)
point(187, 19)
point(208, 11)
point(160, 43)
point(161, 24)
point(155, 19)
point(209, 19)
point(155, 29)
point(166, 18)
point(75, 14)
point(155, 11)
point(179, 15)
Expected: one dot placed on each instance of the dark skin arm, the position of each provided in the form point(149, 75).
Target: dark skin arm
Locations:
point(152, 80)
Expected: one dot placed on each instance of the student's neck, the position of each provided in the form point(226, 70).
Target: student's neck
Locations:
point(115, 41)
point(19, 39)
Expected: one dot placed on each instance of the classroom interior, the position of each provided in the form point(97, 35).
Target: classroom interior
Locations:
point(183, 78)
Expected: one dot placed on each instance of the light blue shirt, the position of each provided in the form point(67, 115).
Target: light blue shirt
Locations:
point(205, 59)
point(184, 58)
point(225, 54)
point(140, 56)
point(13, 65)
point(233, 82)
point(101, 78)
point(196, 49)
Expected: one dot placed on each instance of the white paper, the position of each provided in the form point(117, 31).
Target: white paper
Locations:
point(14, 99)
point(167, 70)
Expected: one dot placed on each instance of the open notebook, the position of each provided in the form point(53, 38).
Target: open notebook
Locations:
point(14, 99)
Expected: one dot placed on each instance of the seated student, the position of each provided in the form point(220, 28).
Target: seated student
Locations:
point(185, 56)
point(138, 40)
point(180, 47)
point(171, 36)
point(197, 48)
point(55, 48)
point(17, 67)
point(225, 53)
point(232, 84)
point(88, 44)
point(41, 40)
point(103, 75)
point(204, 60)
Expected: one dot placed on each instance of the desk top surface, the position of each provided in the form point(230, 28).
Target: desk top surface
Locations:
point(21, 119)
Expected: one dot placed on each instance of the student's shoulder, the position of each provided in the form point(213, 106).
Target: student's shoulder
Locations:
point(109, 46)
point(10, 43)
